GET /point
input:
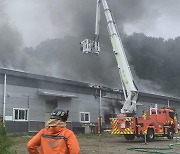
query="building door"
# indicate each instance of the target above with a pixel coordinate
(50, 106)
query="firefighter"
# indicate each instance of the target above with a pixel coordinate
(55, 138)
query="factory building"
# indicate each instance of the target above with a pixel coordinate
(26, 101)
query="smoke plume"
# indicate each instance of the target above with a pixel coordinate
(72, 22)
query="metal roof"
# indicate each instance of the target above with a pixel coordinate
(19, 73)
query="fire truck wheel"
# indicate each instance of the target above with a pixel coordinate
(150, 134)
(170, 134)
(129, 137)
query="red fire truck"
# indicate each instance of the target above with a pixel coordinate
(154, 122)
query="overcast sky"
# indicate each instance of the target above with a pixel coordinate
(38, 20)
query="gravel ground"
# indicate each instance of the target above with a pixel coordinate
(105, 144)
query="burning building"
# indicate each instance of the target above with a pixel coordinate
(26, 101)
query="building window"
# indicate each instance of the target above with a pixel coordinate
(85, 117)
(20, 114)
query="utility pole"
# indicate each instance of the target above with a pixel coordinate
(4, 100)
(168, 103)
(100, 112)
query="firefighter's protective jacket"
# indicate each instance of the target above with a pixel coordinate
(54, 140)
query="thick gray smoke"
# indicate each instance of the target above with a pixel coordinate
(73, 21)
(10, 41)
(79, 15)
(11, 47)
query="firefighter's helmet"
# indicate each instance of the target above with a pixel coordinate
(59, 114)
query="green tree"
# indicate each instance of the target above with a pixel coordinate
(5, 141)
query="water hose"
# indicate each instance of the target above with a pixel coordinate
(156, 150)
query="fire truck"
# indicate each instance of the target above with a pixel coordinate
(154, 121)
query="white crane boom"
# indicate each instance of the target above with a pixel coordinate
(129, 88)
(97, 21)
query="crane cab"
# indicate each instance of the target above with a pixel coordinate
(89, 46)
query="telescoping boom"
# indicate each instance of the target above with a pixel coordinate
(89, 46)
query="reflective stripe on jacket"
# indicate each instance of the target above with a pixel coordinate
(54, 140)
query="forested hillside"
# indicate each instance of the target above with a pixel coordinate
(156, 59)
(155, 62)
